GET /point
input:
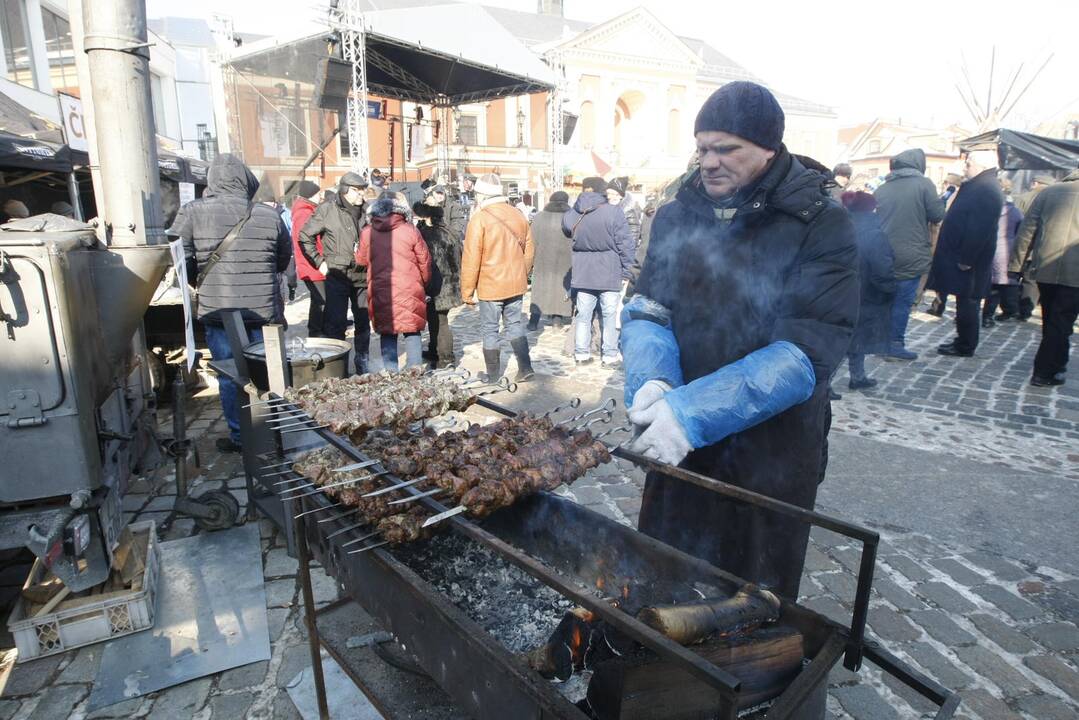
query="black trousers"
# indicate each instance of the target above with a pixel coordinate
(342, 293)
(1060, 307)
(1028, 298)
(316, 309)
(441, 340)
(967, 322)
(1004, 296)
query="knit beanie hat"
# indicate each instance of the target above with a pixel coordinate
(594, 184)
(307, 189)
(489, 184)
(745, 109)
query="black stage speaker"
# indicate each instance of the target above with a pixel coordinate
(333, 81)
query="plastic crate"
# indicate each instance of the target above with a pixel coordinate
(91, 623)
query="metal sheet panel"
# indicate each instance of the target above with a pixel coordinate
(29, 359)
(211, 617)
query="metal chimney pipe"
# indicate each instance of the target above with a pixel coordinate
(119, 60)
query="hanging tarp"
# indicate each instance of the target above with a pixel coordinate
(1025, 151)
(27, 154)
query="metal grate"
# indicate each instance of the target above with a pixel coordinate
(48, 636)
(119, 619)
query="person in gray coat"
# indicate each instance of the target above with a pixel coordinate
(1052, 228)
(243, 277)
(550, 275)
(908, 204)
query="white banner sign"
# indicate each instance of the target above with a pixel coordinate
(187, 192)
(74, 129)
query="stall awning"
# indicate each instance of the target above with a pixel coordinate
(28, 154)
(448, 54)
(1024, 151)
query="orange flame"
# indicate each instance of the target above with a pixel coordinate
(599, 583)
(625, 592)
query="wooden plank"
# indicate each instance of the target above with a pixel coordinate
(48, 607)
(273, 338)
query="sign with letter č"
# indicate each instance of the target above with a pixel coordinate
(74, 129)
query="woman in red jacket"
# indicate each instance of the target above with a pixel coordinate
(308, 196)
(398, 270)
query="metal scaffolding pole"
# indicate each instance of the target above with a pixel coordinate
(554, 118)
(349, 22)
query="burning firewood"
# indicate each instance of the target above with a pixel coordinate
(691, 623)
(566, 650)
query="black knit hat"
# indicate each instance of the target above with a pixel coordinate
(745, 109)
(307, 189)
(595, 183)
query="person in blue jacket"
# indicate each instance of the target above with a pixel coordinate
(745, 306)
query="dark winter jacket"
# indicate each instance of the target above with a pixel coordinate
(877, 279)
(602, 247)
(398, 269)
(968, 237)
(554, 257)
(778, 264)
(245, 278)
(444, 246)
(302, 210)
(339, 224)
(907, 203)
(1052, 226)
(1010, 220)
(633, 215)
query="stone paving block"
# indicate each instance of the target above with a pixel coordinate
(944, 597)
(911, 569)
(1002, 634)
(941, 627)
(125, 709)
(587, 495)
(275, 621)
(829, 608)
(1058, 636)
(282, 707)
(323, 587)
(1056, 671)
(840, 584)
(279, 564)
(890, 625)
(244, 676)
(83, 668)
(896, 595)
(849, 558)
(937, 666)
(280, 593)
(958, 571)
(1010, 603)
(1045, 707)
(864, 703)
(912, 703)
(29, 677)
(8, 708)
(295, 659)
(181, 702)
(987, 707)
(160, 503)
(58, 701)
(816, 561)
(994, 668)
(229, 707)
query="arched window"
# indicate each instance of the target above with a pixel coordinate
(588, 124)
(674, 132)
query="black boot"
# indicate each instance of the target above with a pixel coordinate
(524, 362)
(493, 359)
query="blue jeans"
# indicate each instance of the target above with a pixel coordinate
(413, 350)
(582, 325)
(905, 291)
(510, 312)
(218, 342)
(856, 363)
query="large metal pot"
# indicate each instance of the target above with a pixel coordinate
(314, 359)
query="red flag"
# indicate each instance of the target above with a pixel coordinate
(602, 168)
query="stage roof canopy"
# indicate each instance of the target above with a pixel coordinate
(1024, 151)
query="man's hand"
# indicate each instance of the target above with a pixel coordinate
(665, 439)
(471, 302)
(323, 269)
(649, 394)
(291, 294)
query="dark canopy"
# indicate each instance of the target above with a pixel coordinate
(1024, 151)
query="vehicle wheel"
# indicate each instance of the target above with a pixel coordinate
(224, 506)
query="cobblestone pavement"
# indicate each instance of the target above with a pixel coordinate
(1000, 631)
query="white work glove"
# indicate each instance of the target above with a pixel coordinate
(648, 395)
(664, 440)
(323, 268)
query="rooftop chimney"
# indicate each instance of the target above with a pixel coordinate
(550, 7)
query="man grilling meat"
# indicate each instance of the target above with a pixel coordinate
(745, 306)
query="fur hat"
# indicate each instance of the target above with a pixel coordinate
(307, 189)
(859, 201)
(842, 170)
(745, 109)
(594, 184)
(489, 185)
(389, 203)
(620, 185)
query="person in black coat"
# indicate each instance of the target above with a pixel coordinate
(442, 226)
(963, 261)
(876, 273)
(746, 304)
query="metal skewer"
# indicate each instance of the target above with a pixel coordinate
(288, 480)
(443, 515)
(621, 428)
(602, 419)
(412, 498)
(572, 404)
(318, 509)
(608, 405)
(350, 481)
(302, 429)
(360, 539)
(383, 491)
(344, 530)
(286, 471)
(356, 466)
(287, 463)
(369, 547)
(267, 401)
(291, 422)
(342, 516)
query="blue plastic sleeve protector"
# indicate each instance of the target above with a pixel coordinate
(740, 395)
(649, 350)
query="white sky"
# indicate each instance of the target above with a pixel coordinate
(890, 58)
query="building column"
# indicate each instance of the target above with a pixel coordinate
(38, 55)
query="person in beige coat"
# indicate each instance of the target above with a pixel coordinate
(495, 264)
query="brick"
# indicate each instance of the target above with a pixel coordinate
(938, 667)
(994, 668)
(1010, 603)
(1044, 707)
(840, 584)
(829, 608)
(1002, 634)
(958, 571)
(998, 566)
(944, 597)
(816, 561)
(941, 627)
(231, 706)
(1058, 636)
(243, 677)
(58, 701)
(896, 595)
(918, 705)
(986, 706)
(908, 567)
(864, 703)
(890, 625)
(1054, 670)
(849, 558)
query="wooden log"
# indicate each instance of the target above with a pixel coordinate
(41, 585)
(644, 687)
(691, 623)
(52, 603)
